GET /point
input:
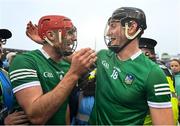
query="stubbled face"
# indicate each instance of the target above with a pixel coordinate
(65, 43)
(69, 39)
(175, 66)
(115, 33)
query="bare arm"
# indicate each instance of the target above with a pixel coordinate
(41, 107)
(162, 116)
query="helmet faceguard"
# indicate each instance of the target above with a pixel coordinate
(125, 16)
(68, 47)
(63, 28)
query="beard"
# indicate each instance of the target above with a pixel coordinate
(63, 51)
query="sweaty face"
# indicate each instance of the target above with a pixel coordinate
(114, 33)
(66, 43)
(175, 66)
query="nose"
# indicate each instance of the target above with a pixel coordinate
(74, 37)
(108, 33)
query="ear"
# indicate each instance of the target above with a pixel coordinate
(50, 35)
(133, 26)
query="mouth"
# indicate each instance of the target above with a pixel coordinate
(68, 46)
(112, 40)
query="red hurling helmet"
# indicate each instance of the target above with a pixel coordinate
(54, 22)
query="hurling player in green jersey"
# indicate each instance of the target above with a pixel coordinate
(41, 83)
(128, 83)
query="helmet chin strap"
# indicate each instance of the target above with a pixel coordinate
(117, 48)
(133, 36)
(59, 36)
(48, 41)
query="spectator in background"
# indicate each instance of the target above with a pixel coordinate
(8, 60)
(85, 98)
(10, 56)
(7, 116)
(165, 58)
(175, 68)
(147, 45)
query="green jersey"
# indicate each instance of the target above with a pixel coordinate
(126, 89)
(36, 68)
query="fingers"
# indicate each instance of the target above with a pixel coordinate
(85, 53)
(30, 28)
(86, 56)
(32, 33)
(29, 25)
(18, 113)
(16, 118)
(21, 121)
(20, 117)
(35, 26)
(83, 59)
(90, 59)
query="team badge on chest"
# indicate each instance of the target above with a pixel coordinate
(129, 79)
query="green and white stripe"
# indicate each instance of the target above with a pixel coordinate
(22, 73)
(159, 105)
(161, 89)
(26, 85)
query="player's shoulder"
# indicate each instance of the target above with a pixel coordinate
(105, 52)
(26, 55)
(146, 61)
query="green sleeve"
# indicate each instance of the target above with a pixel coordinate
(23, 70)
(158, 90)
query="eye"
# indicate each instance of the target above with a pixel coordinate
(72, 31)
(112, 25)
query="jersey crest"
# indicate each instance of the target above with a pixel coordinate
(129, 79)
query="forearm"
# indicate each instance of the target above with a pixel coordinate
(41, 107)
(44, 107)
(162, 116)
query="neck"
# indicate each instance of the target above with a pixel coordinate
(131, 49)
(51, 52)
